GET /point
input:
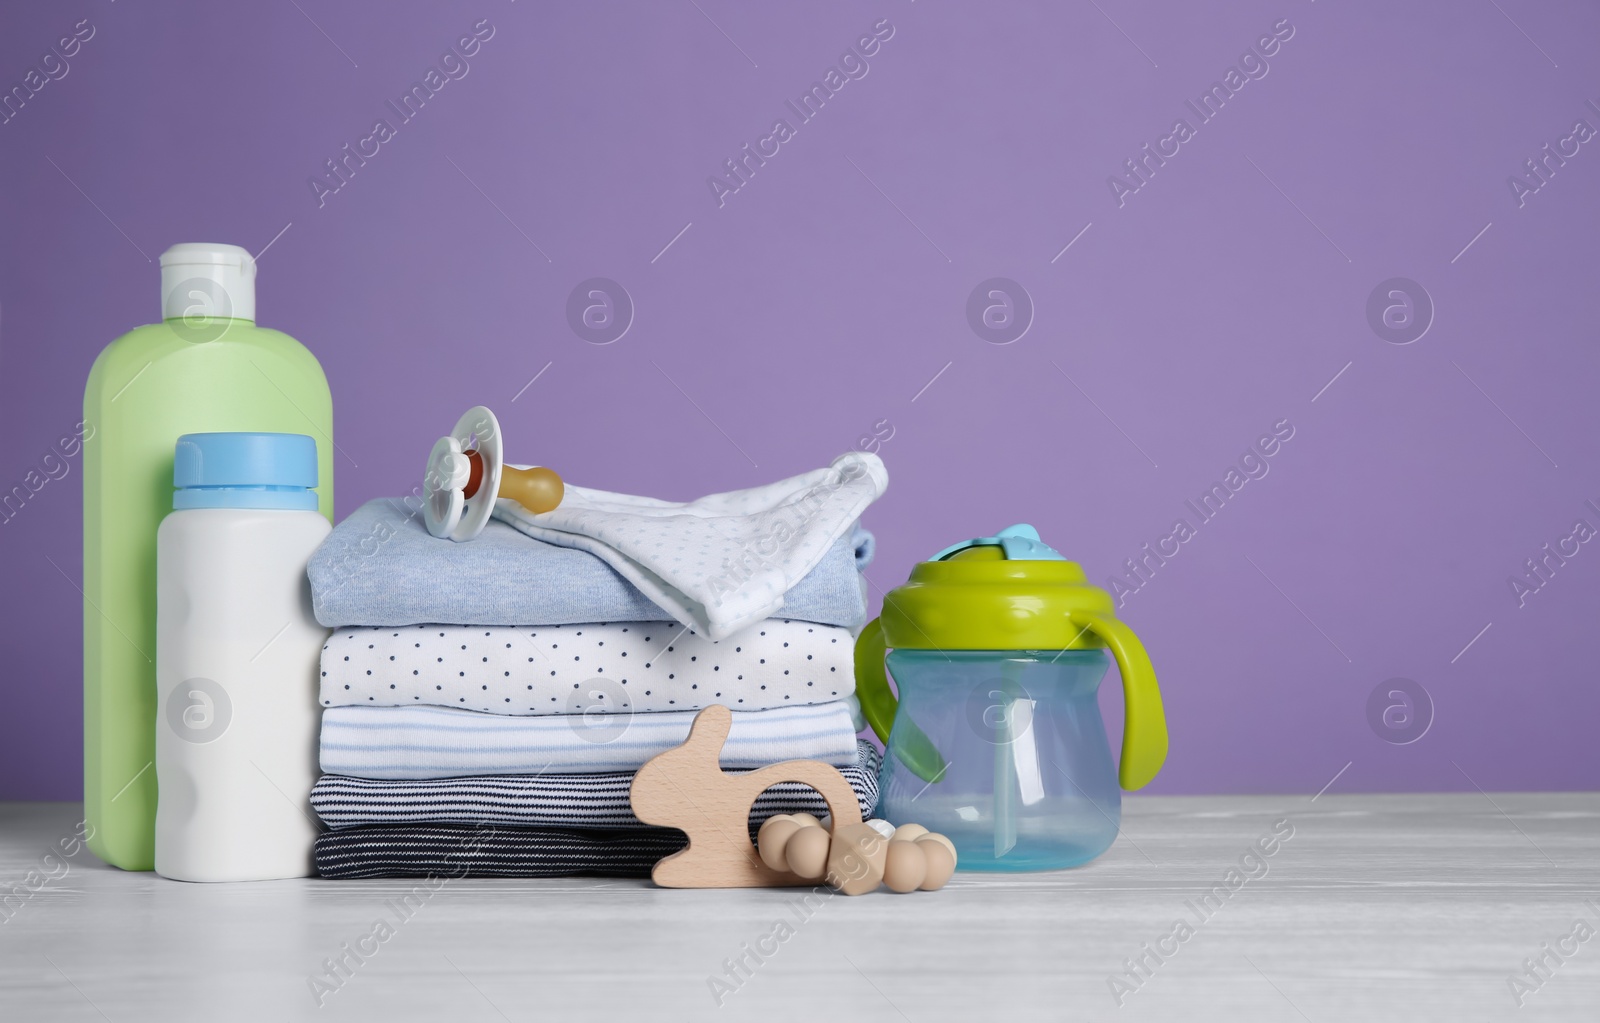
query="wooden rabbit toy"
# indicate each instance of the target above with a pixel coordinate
(686, 788)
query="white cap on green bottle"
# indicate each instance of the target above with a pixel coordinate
(206, 280)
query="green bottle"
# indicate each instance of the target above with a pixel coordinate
(206, 368)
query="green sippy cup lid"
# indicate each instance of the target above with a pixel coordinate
(1010, 591)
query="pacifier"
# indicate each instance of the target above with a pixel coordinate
(467, 472)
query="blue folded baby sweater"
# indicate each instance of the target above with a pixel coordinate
(380, 567)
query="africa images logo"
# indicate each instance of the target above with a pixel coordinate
(198, 710)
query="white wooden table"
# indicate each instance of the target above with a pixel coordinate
(1405, 907)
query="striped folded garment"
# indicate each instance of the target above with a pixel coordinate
(590, 801)
(443, 742)
(490, 850)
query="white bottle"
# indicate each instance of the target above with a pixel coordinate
(237, 654)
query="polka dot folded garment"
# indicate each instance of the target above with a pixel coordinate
(617, 668)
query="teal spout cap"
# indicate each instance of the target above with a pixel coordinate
(1018, 543)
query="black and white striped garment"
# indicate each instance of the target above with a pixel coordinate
(490, 850)
(551, 800)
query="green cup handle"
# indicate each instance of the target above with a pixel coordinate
(878, 706)
(872, 682)
(1144, 723)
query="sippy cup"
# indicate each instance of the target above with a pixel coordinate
(998, 647)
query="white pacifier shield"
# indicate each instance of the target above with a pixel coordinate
(447, 474)
(479, 430)
(448, 511)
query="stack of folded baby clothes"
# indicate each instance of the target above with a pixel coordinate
(487, 703)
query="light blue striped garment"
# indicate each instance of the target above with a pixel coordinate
(445, 742)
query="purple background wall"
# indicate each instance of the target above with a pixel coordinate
(829, 294)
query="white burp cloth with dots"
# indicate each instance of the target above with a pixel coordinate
(616, 668)
(723, 562)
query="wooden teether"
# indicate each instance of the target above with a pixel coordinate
(854, 857)
(686, 788)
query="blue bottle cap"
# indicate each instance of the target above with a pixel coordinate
(245, 470)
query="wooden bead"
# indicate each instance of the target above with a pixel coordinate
(773, 837)
(934, 836)
(806, 853)
(805, 819)
(855, 863)
(905, 867)
(909, 832)
(941, 860)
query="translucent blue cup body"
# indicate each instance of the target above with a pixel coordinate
(1024, 777)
